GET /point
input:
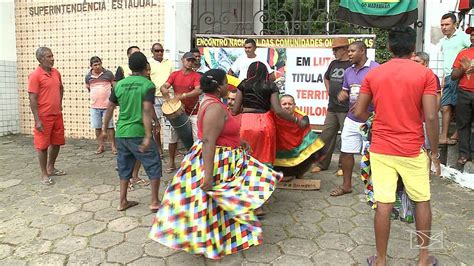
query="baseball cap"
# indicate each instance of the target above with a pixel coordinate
(188, 55)
(469, 30)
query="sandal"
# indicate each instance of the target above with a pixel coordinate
(371, 260)
(130, 187)
(339, 191)
(462, 161)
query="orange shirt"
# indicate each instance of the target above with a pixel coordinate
(397, 88)
(47, 86)
(466, 82)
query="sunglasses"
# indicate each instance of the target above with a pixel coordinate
(159, 50)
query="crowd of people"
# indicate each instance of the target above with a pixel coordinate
(244, 145)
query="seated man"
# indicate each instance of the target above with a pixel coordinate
(297, 148)
(231, 99)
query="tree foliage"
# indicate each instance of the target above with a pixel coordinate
(310, 17)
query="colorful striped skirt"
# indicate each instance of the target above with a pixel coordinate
(220, 221)
(297, 161)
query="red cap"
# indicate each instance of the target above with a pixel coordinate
(469, 30)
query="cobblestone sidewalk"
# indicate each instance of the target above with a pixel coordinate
(75, 221)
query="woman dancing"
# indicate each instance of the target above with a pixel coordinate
(208, 208)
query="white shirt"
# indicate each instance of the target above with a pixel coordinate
(241, 65)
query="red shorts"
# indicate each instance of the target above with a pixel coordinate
(52, 134)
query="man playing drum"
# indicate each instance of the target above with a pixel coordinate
(186, 89)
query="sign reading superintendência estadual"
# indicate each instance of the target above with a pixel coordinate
(59, 9)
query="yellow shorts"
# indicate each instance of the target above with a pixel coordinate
(413, 170)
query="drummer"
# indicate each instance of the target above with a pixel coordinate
(185, 83)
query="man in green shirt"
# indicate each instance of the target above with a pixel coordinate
(135, 95)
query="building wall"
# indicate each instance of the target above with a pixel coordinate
(8, 79)
(74, 38)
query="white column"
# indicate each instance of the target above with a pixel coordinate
(7, 29)
(177, 37)
(257, 24)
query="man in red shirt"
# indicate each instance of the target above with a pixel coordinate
(45, 91)
(186, 88)
(463, 68)
(400, 99)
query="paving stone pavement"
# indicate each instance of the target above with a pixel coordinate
(75, 221)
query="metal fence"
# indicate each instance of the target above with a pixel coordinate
(269, 17)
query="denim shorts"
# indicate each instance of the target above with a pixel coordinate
(97, 116)
(450, 91)
(157, 105)
(128, 154)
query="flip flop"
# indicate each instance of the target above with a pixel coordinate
(462, 161)
(371, 260)
(47, 182)
(316, 169)
(338, 191)
(142, 182)
(97, 152)
(154, 209)
(170, 170)
(57, 172)
(114, 152)
(129, 205)
(433, 260)
(451, 141)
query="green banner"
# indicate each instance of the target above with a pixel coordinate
(378, 13)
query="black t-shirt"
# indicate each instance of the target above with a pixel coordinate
(257, 96)
(335, 75)
(119, 75)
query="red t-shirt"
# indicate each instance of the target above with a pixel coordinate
(467, 80)
(397, 88)
(48, 87)
(185, 84)
(230, 134)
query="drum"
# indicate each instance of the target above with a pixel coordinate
(173, 110)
